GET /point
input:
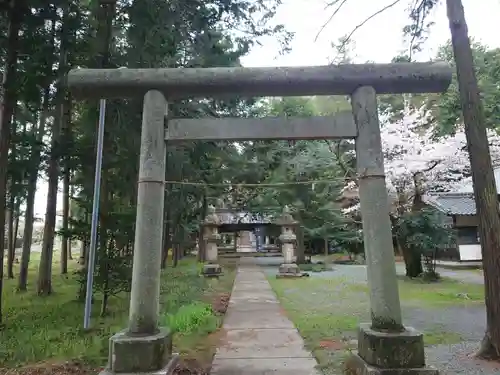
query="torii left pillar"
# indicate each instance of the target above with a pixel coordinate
(145, 348)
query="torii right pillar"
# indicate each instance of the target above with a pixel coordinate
(385, 346)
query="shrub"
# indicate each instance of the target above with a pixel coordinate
(195, 317)
(424, 233)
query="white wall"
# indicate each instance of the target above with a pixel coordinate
(470, 252)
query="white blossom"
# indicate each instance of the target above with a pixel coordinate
(411, 150)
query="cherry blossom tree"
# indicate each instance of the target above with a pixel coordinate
(419, 162)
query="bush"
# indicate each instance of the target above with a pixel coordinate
(195, 317)
(423, 233)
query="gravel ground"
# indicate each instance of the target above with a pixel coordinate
(457, 359)
(467, 276)
(468, 321)
(359, 272)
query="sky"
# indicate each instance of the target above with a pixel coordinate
(379, 40)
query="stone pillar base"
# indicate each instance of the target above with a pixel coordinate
(212, 270)
(388, 353)
(355, 365)
(141, 355)
(290, 270)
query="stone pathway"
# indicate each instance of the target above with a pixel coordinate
(259, 338)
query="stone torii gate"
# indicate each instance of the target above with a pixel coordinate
(384, 345)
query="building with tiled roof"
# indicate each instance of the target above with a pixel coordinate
(460, 209)
(453, 204)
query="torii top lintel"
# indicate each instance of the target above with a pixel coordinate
(431, 77)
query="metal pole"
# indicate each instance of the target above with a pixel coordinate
(95, 215)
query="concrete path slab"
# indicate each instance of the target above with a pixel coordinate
(267, 318)
(264, 366)
(258, 286)
(262, 343)
(255, 306)
(253, 296)
(259, 338)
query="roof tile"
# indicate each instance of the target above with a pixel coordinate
(452, 203)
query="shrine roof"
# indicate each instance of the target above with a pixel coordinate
(229, 216)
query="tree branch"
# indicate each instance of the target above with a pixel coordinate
(338, 156)
(360, 25)
(331, 16)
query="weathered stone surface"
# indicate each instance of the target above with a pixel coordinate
(140, 354)
(212, 270)
(256, 304)
(267, 318)
(262, 343)
(377, 231)
(245, 284)
(252, 296)
(249, 276)
(259, 339)
(339, 126)
(355, 365)
(167, 370)
(145, 286)
(391, 350)
(290, 270)
(244, 239)
(264, 366)
(251, 82)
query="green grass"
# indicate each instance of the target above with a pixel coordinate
(436, 336)
(314, 267)
(50, 328)
(327, 311)
(442, 293)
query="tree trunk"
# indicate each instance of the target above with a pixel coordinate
(8, 96)
(413, 262)
(65, 223)
(104, 274)
(175, 256)
(70, 254)
(84, 244)
(10, 235)
(84, 251)
(81, 258)
(485, 191)
(166, 214)
(16, 229)
(201, 243)
(44, 284)
(201, 240)
(325, 244)
(65, 247)
(105, 18)
(31, 190)
(300, 251)
(167, 242)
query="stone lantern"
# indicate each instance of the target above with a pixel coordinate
(211, 268)
(288, 242)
